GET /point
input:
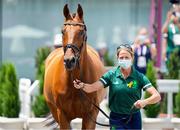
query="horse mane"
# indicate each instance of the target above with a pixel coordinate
(58, 77)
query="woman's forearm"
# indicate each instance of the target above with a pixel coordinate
(89, 88)
(165, 27)
(153, 99)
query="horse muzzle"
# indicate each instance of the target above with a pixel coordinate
(70, 63)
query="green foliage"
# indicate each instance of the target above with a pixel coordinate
(164, 103)
(9, 98)
(177, 103)
(154, 109)
(174, 73)
(41, 55)
(1, 88)
(41, 77)
(39, 106)
(151, 73)
(108, 61)
(174, 65)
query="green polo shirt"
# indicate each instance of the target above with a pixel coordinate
(123, 93)
(170, 44)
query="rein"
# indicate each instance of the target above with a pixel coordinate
(83, 94)
(75, 49)
(107, 125)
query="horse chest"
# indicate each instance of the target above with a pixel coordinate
(74, 102)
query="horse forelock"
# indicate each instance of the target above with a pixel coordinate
(73, 15)
(58, 81)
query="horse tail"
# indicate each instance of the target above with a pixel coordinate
(50, 122)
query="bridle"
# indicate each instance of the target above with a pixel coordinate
(77, 51)
(74, 47)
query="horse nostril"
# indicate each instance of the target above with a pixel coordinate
(73, 60)
(66, 61)
(70, 63)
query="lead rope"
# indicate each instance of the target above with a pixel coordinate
(89, 100)
(82, 94)
(81, 97)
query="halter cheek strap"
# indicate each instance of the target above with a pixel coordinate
(74, 47)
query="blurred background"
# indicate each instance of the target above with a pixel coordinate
(31, 29)
(30, 24)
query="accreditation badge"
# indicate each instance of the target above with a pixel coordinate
(141, 61)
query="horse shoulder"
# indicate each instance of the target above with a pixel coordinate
(54, 68)
(54, 53)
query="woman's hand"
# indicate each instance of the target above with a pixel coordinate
(78, 84)
(168, 16)
(140, 104)
(88, 87)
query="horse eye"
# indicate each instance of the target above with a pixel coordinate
(81, 33)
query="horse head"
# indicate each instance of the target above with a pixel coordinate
(74, 37)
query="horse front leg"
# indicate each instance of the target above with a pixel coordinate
(87, 122)
(63, 122)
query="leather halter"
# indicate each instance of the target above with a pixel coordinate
(74, 47)
(83, 94)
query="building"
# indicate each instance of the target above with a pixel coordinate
(113, 21)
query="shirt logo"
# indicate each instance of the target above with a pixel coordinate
(132, 84)
(116, 82)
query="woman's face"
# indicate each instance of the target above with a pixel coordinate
(124, 54)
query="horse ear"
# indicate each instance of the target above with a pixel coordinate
(80, 11)
(66, 12)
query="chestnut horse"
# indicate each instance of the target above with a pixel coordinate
(75, 60)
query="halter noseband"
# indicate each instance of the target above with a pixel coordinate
(74, 47)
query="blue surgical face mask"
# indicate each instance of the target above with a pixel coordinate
(142, 38)
(125, 63)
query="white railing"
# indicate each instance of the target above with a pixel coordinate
(38, 124)
(169, 87)
(25, 92)
(27, 123)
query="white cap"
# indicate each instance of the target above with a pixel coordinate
(58, 40)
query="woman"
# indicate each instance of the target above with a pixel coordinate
(144, 50)
(125, 85)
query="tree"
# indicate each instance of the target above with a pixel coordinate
(9, 98)
(108, 61)
(174, 73)
(39, 106)
(154, 109)
(174, 65)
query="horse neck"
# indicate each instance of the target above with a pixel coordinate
(83, 61)
(79, 71)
